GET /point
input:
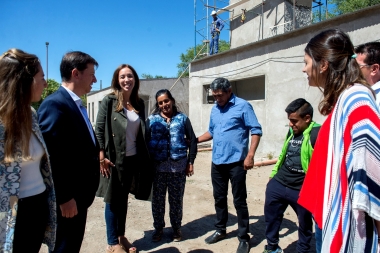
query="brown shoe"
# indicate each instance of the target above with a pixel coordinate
(115, 249)
(157, 235)
(177, 235)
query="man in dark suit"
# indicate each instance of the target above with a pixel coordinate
(73, 149)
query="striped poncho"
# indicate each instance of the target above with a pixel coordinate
(342, 186)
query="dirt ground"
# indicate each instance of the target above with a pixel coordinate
(198, 219)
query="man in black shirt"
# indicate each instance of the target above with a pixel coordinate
(287, 177)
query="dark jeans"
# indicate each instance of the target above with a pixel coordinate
(220, 175)
(31, 221)
(115, 213)
(318, 239)
(70, 231)
(277, 198)
(174, 183)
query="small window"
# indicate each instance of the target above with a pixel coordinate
(248, 89)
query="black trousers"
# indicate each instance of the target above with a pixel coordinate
(70, 231)
(221, 175)
(277, 198)
(31, 221)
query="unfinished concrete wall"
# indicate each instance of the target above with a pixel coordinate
(280, 59)
(148, 90)
(266, 19)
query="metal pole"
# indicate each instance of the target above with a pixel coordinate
(195, 26)
(294, 15)
(47, 60)
(327, 10)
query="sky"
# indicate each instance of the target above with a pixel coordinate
(150, 35)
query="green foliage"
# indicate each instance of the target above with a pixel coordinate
(51, 88)
(341, 7)
(149, 76)
(346, 6)
(188, 56)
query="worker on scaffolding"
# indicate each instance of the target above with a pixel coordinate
(216, 27)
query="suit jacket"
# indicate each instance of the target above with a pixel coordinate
(110, 131)
(10, 176)
(73, 155)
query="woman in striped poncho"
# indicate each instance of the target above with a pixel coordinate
(341, 188)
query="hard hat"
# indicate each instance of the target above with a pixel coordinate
(213, 13)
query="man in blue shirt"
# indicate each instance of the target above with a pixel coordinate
(216, 27)
(231, 120)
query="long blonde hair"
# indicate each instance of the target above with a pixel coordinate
(17, 69)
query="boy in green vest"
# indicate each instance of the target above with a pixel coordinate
(287, 177)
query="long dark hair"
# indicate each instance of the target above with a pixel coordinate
(334, 47)
(169, 94)
(17, 70)
(116, 88)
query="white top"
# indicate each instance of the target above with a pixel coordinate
(131, 132)
(376, 88)
(31, 181)
(78, 102)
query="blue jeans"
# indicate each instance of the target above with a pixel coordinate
(115, 215)
(277, 198)
(318, 238)
(214, 44)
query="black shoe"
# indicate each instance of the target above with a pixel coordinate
(243, 247)
(177, 235)
(157, 235)
(215, 237)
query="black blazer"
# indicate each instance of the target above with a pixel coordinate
(73, 155)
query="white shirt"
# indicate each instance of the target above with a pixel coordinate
(376, 88)
(78, 102)
(31, 181)
(131, 132)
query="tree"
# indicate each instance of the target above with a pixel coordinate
(149, 76)
(52, 86)
(346, 6)
(187, 57)
(341, 7)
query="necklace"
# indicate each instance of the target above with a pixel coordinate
(131, 106)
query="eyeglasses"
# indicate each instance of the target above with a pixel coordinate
(365, 65)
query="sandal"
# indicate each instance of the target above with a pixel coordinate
(126, 245)
(115, 249)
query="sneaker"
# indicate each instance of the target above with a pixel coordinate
(177, 235)
(266, 250)
(157, 235)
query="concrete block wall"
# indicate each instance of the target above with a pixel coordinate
(280, 59)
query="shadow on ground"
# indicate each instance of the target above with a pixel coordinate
(192, 230)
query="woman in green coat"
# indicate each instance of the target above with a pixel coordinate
(124, 158)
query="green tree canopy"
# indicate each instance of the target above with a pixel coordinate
(188, 56)
(340, 7)
(52, 86)
(346, 6)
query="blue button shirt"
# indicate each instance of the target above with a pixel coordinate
(230, 126)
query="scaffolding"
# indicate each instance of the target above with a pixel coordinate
(202, 12)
